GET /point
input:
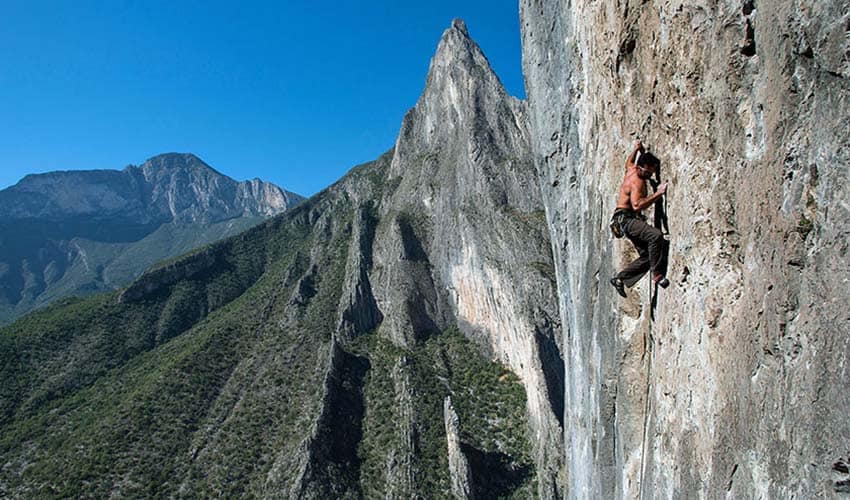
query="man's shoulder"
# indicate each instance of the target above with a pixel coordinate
(634, 180)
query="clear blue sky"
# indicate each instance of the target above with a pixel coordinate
(293, 92)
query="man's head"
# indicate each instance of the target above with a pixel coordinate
(647, 164)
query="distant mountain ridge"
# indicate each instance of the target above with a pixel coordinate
(172, 187)
(77, 232)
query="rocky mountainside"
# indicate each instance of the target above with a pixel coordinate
(396, 335)
(78, 232)
(737, 390)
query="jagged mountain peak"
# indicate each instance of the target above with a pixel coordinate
(464, 105)
(93, 230)
(175, 159)
(166, 187)
(457, 50)
(456, 36)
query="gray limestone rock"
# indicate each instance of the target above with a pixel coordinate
(735, 390)
(399, 473)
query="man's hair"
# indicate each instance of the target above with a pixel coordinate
(648, 160)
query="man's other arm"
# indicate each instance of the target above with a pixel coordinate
(640, 202)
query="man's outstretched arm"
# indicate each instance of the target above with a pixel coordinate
(630, 161)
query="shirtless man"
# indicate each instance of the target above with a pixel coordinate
(650, 243)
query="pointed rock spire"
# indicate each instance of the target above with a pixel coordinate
(464, 103)
(457, 48)
(458, 466)
(460, 80)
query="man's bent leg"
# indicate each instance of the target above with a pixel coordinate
(658, 248)
(655, 243)
(639, 233)
(633, 272)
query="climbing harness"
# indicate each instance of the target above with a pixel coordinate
(621, 215)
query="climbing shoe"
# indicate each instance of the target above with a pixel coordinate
(618, 284)
(661, 281)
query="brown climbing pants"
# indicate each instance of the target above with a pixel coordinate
(651, 246)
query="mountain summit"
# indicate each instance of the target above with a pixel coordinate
(461, 88)
(172, 187)
(186, 189)
(457, 48)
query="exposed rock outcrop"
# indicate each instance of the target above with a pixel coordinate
(399, 465)
(458, 466)
(329, 462)
(735, 390)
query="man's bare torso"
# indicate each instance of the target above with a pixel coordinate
(631, 182)
(632, 195)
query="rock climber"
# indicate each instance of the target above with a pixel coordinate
(650, 243)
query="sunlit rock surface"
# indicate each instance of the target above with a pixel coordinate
(470, 232)
(737, 389)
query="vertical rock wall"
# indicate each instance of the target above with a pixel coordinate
(737, 388)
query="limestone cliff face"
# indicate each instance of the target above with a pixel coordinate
(736, 389)
(458, 465)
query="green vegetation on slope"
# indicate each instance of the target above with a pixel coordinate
(109, 394)
(56, 351)
(100, 265)
(203, 377)
(488, 398)
(217, 374)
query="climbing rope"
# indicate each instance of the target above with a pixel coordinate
(660, 216)
(649, 348)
